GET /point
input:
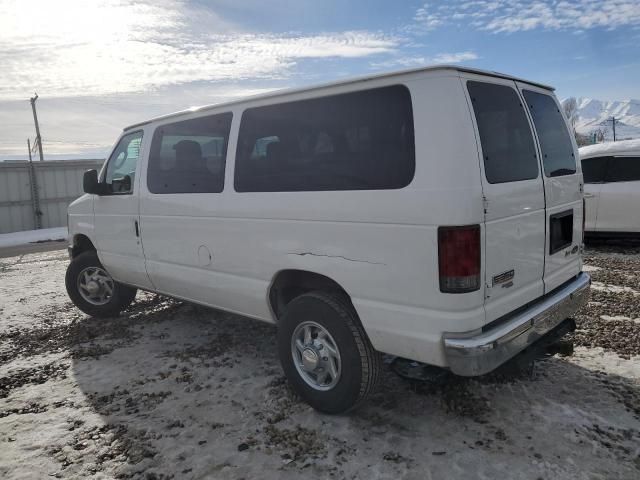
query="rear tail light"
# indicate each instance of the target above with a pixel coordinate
(459, 258)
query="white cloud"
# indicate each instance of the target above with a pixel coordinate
(417, 61)
(71, 47)
(426, 19)
(521, 15)
(455, 57)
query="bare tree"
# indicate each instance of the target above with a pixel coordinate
(570, 106)
(583, 140)
(600, 134)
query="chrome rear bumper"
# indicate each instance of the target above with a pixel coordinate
(476, 354)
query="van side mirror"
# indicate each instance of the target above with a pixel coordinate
(90, 182)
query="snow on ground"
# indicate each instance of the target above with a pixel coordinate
(619, 317)
(171, 390)
(603, 287)
(31, 236)
(589, 268)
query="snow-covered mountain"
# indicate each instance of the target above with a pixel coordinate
(594, 114)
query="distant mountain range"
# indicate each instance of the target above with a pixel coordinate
(596, 114)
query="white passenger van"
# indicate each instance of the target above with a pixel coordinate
(612, 188)
(433, 214)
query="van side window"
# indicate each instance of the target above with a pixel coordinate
(507, 143)
(555, 143)
(594, 169)
(121, 169)
(623, 169)
(354, 141)
(189, 156)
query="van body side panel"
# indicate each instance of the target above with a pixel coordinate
(119, 248)
(619, 194)
(81, 219)
(618, 207)
(380, 246)
(591, 198)
(514, 222)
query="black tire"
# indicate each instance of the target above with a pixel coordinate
(121, 298)
(360, 363)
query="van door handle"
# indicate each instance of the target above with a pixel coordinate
(589, 195)
(137, 229)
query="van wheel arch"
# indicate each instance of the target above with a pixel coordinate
(291, 283)
(81, 244)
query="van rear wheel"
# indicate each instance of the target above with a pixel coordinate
(92, 289)
(325, 353)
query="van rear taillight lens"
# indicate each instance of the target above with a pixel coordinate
(459, 258)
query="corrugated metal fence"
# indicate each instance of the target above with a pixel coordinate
(58, 183)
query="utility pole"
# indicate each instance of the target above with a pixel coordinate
(35, 119)
(35, 198)
(613, 121)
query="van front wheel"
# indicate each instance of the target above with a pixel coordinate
(92, 289)
(325, 353)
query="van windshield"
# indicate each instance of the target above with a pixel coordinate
(555, 143)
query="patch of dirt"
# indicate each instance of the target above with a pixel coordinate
(298, 443)
(66, 328)
(32, 407)
(36, 375)
(620, 336)
(107, 443)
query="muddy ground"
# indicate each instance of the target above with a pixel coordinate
(170, 390)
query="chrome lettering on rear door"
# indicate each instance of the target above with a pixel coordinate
(505, 279)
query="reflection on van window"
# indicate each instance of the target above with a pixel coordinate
(189, 156)
(555, 143)
(121, 169)
(507, 144)
(594, 169)
(354, 141)
(260, 147)
(623, 169)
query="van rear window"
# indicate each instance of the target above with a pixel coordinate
(555, 143)
(355, 141)
(507, 143)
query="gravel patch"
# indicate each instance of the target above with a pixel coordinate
(617, 281)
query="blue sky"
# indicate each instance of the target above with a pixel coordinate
(100, 65)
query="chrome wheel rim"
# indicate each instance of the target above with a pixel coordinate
(95, 285)
(316, 356)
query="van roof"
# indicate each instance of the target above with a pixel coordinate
(623, 147)
(289, 91)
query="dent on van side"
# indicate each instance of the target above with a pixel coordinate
(434, 214)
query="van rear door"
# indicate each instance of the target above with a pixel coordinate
(513, 193)
(562, 185)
